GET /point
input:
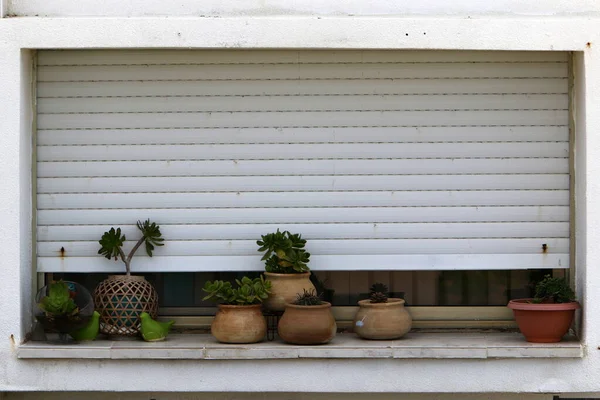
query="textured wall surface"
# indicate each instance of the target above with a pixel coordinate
(533, 376)
(301, 7)
(265, 396)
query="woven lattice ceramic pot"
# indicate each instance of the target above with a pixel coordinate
(120, 300)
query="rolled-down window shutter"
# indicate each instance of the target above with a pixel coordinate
(383, 160)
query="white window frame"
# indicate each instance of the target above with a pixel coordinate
(435, 317)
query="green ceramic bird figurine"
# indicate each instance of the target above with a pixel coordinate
(88, 332)
(154, 331)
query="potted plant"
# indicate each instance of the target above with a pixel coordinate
(63, 307)
(367, 295)
(239, 318)
(120, 299)
(285, 266)
(308, 320)
(380, 317)
(546, 318)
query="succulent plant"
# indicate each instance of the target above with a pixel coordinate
(59, 301)
(378, 293)
(553, 290)
(308, 298)
(112, 242)
(248, 291)
(284, 252)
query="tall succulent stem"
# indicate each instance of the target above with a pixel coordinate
(127, 268)
(130, 256)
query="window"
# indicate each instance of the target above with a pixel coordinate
(437, 169)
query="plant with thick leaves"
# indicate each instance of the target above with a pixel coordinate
(59, 301)
(284, 252)
(378, 293)
(553, 290)
(308, 298)
(248, 291)
(111, 243)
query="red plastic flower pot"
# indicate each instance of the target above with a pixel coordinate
(543, 322)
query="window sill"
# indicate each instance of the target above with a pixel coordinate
(456, 344)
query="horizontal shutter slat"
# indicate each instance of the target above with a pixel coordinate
(305, 103)
(145, 57)
(301, 119)
(329, 247)
(304, 167)
(146, 201)
(303, 151)
(352, 262)
(322, 231)
(297, 72)
(306, 87)
(300, 215)
(302, 135)
(302, 183)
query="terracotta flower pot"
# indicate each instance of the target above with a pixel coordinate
(239, 324)
(285, 288)
(307, 324)
(543, 322)
(382, 320)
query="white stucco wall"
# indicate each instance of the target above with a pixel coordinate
(533, 376)
(267, 396)
(299, 7)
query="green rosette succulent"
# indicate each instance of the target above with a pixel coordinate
(248, 291)
(59, 301)
(284, 252)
